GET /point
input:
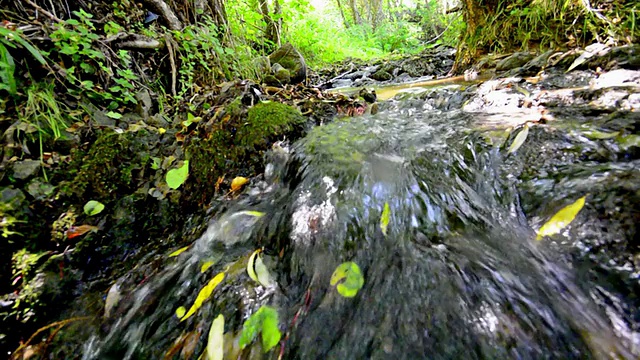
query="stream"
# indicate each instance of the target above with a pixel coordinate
(458, 272)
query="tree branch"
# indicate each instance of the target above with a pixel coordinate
(165, 12)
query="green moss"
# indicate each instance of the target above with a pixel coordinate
(237, 148)
(110, 168)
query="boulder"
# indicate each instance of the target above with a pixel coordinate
(292, 60)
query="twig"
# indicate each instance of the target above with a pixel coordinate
(174, 70)
(57, 323)
(48, 14)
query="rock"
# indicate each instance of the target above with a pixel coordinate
(513, 61)
(12, 198)
(281, 74)
(538, 62)
(292, 60)
(25, 169)
(262, 65)
(355, 75)
(145, 104)
(271, 80)
(381, 75)
(40, 190)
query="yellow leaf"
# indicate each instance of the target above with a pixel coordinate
(250, 266)
(561, 219)
(179, 251)
(203, 295)
(180, 312)
(251, 213)
(162, 131)
(519, 140)
(206, 266)
(384, 218)
(238, 182)
(215, 345)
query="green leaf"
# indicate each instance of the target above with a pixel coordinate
(385, 218)
(519, 140)
(113, 115)
(215, 345)
(561, 219)
(203, 295)
(349, 279)
(93, 207)
(176, 177)
(264, 321)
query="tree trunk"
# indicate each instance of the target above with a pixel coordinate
(354, 12)
(344, 19)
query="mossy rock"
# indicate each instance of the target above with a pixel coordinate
(292, 60)
(237, 148)
(112, 167)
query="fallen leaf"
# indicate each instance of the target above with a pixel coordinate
(79, 230)
(519, 140)
(203, 295)
(385, 218)
(561, 219)
(178, 252)
(349, 279)
(181, 311)
(257, 270)
(238, 182)
(215, 345)
(176, 177)
(206, 266)
(264, 321)
(93, 207)
(113, 297)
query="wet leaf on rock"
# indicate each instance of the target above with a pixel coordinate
(264, 322)
(385, 218)
(519, 140)
(600, 135)
(79, 230)
(204, 295)
(179, 251)
(238, 182)
(176, 177)
(349, 279)
(257, 271)
(215, 345)
(181, 311)
(93, 207)
(561, 219)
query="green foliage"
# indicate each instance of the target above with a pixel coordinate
(74, 43)
(11, 39)
(349, 279)
(205, 60)
(263, 322)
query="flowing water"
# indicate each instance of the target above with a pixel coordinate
(458, 274)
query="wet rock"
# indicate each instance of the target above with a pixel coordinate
(513, 61)
(381, 75)
(25, 169)
(355, 75)
(292, 60)
(538, 62)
